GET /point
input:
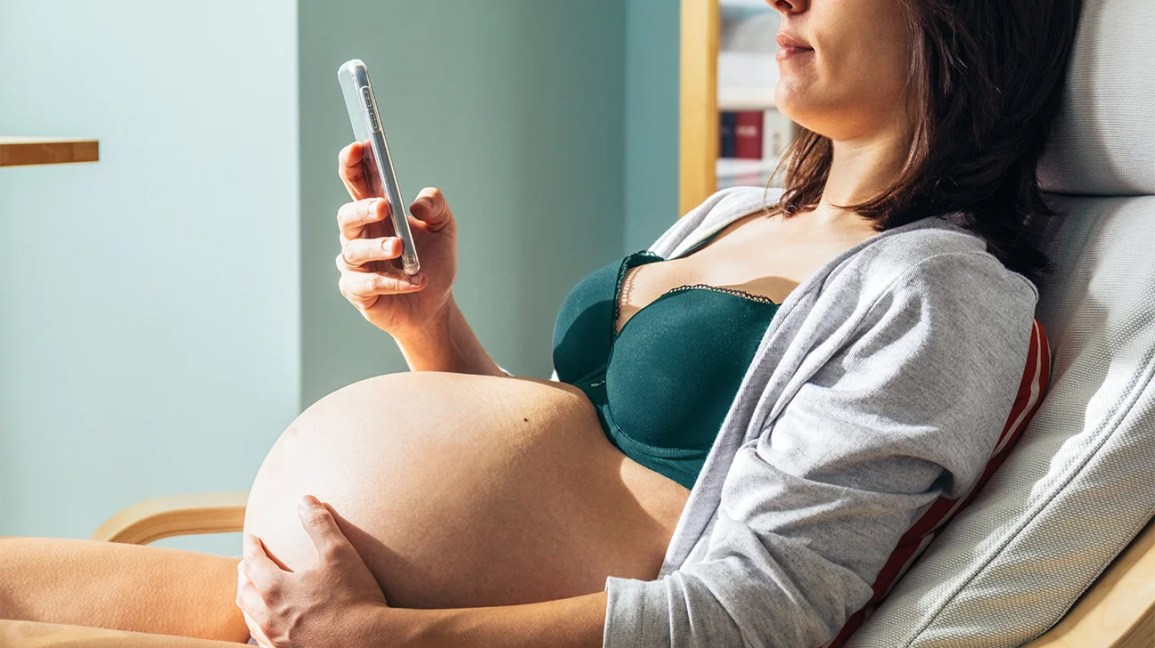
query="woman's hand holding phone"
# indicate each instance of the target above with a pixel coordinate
(381, 292)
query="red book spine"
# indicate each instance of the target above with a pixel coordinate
(748, 135)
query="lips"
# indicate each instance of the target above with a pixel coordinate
(791, 48)
(787, 41)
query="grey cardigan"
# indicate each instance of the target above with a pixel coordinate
(882, 382)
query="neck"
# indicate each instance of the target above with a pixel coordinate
(860, 169)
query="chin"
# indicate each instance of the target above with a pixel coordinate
(789, 102)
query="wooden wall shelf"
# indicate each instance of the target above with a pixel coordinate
(19, 151)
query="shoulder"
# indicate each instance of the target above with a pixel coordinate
(719, 210)
(933, 295)
(920, 329)
(929, 283)
(931, 256)
(937, 260)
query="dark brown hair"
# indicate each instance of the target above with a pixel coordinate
(987, 78)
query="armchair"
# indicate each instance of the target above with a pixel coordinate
(1058, 551)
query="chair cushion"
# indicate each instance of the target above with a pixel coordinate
(1077, 488)
(1104, 141)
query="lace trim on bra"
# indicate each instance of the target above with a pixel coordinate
(618, 297)
(622, 269)
(731, 291)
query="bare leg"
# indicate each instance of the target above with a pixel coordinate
(119, 586)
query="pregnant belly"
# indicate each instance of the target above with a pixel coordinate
(464, 491)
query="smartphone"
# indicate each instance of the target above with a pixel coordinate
(366, 121)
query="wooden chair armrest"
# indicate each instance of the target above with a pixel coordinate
(161, 517)
(1118, 610)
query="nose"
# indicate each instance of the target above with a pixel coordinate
(790, 6)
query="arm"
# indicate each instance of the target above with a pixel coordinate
(568, 623)
(449, 345)
(908, 408)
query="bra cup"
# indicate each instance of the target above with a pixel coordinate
(581, 334)
(663, 384)
(677, 364)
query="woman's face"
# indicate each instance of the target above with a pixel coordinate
(847, 79)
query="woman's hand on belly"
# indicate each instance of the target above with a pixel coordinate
(327, 603)
(337, 603)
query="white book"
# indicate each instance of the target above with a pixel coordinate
(777, 131)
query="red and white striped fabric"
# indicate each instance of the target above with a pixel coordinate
(1032, 388)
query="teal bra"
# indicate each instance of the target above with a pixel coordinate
(664, 383)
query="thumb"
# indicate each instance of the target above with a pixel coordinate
(322, 528)
(430, 207)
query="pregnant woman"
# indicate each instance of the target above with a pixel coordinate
(747, 417)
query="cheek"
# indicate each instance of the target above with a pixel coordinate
(844, 91)
(869, 76)
(826, 83)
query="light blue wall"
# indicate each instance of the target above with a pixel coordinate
(164, 313)
(149, 315)
(651, 121)
(515, 109)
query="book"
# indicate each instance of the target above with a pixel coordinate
(726, 132)
(777, 133)
(748, 134)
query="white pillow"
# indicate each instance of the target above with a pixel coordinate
(1104, 141)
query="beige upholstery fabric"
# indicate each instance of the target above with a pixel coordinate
(1104, 143)
(1079, 485)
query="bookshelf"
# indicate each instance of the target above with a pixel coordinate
(727, 66)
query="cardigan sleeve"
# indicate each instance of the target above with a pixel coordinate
(908, 408)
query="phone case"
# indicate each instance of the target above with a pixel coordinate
(361, 105)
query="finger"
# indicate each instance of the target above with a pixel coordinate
(353, 217)
(250, 603)
(257, 632)
(249, 600)
(322, 529)
(365, 287)
(358, 252)
(431, 207)
(257, 629)
(257, 566)
(352, 171)
(242, 580)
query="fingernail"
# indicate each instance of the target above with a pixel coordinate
(415, 279)
(306, 502)
(375, 208)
